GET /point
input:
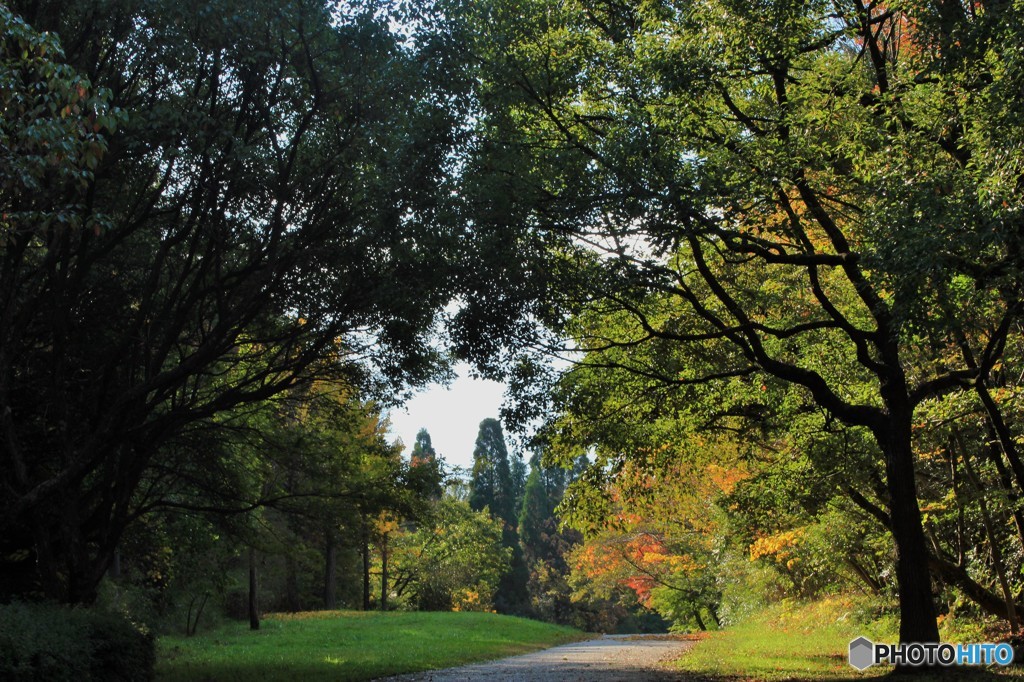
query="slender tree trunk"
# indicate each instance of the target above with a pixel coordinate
(330, 572)
(384, 572)
(366, 569)
(864, 575)
(917, 610)
(714, 615)
(1006, 442)
(291, 584)
(994, 549)
(254, 611)
(700, 621)
(994, 451)
(115, 565)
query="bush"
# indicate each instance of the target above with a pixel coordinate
(54, 644)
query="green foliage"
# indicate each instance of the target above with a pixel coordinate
(786, 222)
(58, 644)
(54, 129)
(241, 197)
(789, 640)
(453, 561)
(491, 484)
(353, 646)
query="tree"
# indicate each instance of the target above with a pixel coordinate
(491, 484)
(492, 487)
(207, 203)
(802, 192)
(427, 464)
(453, 561)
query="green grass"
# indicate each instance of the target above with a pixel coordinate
(801, 641)
(343, 645)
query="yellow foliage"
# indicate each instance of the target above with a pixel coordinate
(778, 546)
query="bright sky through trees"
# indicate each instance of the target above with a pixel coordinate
(452, 414)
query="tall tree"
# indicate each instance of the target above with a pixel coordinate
(491, 486)
(427, 465)
(269, 207)
(491, 483)
(804, 192)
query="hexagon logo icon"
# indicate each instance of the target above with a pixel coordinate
(862, 653)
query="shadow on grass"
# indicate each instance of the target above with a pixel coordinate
(264, 672)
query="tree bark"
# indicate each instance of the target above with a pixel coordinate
(958, 576)
(254, 612)
(291, 585)
(700, 621)
(993, 542)
(917, 610)
(330, 572)
(384, 572)
(366, 568)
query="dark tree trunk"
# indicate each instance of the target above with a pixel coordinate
(384, 573)
(917, 610)
(864, 575)
(993, 541)
(291, 585)
(714, 615)
(700, 621)
(994, 452)
(330, 572)
(115, 565)
(366, 571)
(254, 611)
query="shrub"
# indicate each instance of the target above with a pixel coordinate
(52, 643)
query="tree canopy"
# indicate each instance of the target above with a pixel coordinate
(725, 194)
(204, 204)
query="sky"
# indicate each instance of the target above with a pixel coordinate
(451, 414)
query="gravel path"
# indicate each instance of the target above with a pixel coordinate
(632, 658)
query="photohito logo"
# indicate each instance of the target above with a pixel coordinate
(864, 653)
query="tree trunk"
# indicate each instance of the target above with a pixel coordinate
(864, 575)
(700, 621)
(917, 610)
(330, 572)
(714, 615)
(291, 584)
(254, 612)
(994, 451)
(115, 565)
(993, 542)
(366, 570)
(946, 570)
(384, 572)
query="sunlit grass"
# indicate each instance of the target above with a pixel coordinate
(343, 645)
(800, 641)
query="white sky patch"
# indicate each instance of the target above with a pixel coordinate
(452, 414)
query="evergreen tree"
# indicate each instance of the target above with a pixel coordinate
(491, 483)
(428, 467)
(492, 486)
(519, 472)
(536, 516)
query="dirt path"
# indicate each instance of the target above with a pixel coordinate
(632, 658)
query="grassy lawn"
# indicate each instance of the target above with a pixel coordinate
(794, 641)
(347, 645)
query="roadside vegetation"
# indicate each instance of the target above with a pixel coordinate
(351, 645)
(794, 640)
